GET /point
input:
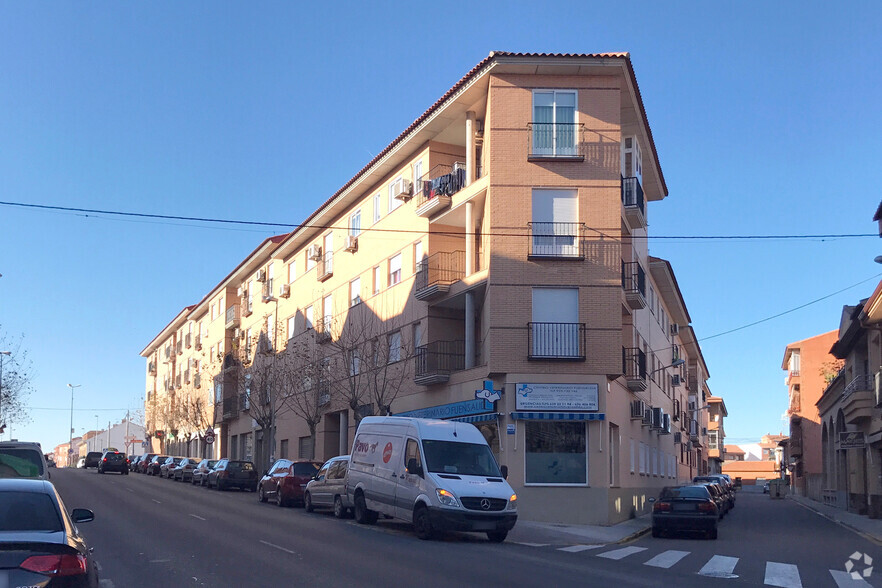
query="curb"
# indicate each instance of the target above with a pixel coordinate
(634, 535)
(842, 524)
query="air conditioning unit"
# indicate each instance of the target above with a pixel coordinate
(285, 290)
(351, 244)
(647, 416)
(638, 407)
(666, 425)
(693, 405)
(675, 380)
(401, 189)
(678, 438)
(240, 292)
(260, 276)
(238, 333)
(314, 252)
(675, 329)
(658, 418)
(458, 165)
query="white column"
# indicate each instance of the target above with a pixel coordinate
(470, 147)
(344, 432)
(469, 330)
(469, 238)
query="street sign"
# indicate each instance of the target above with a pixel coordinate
(852, 440)
(209, 437)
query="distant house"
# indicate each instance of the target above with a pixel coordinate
(751, 471)
(734, 453)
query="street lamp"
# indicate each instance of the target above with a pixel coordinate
(2, 424)
(70, 443)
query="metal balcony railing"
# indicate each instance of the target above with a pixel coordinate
(442, 180)
(556, 341)
(325, 266)
(556, 141)
(436, 361)
(323, 329)
(549, 239)
(437, 272)
(232, 317)
(634, 365)
(634, 284)
(230, 407)
(859, 384)
(632, 194)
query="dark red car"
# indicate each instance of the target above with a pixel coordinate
(286, 480)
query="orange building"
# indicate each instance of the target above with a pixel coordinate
(751, 471)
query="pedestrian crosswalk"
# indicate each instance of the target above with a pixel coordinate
(779, 574)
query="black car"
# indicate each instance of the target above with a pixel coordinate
(152, 468)
(113, 461)
(92, 459)
(230, 473)
(39, 542)
(685, 508)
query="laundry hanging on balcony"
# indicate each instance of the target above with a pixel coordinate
(446, 185)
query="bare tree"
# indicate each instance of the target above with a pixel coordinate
(15, 381)
(305, 382)
(195, 415)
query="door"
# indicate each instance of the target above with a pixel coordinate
(555, 224)
(388, 466)
(408, 484)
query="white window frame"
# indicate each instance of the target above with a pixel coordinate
(355, 292)
(395, 348)
(417, 255)
(355, 224)
(394, 269)
(378, 214)
(555, 92)
(292, 325)
(292, 271)
(378, 276)
(309, 317)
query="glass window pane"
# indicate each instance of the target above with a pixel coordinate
(556, 453)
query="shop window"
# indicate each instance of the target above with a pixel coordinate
(556, 453)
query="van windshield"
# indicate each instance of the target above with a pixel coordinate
(464, 459)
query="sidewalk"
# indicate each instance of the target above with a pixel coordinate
(870, 528)
(561, 534)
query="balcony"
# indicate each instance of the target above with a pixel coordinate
(197, 380)
(634, 203)
(178, 381)
(556, 142)
(325, 267)
(437, 360)
(634, 368)
(151, 368)
(435, 189)
(188, 338)
(556, 341)
(858, 399)
(634, 284)
(180, 347)
(198, 343)
(556, 240)
(186, 376)
(436, 273)
(323, 329)
(230, 408)
(232, 317)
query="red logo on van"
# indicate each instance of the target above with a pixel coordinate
(387, 453)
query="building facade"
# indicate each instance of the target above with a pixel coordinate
(490, 266)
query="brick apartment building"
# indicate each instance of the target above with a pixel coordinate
(496, 246)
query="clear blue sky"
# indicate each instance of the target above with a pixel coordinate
(765, 115)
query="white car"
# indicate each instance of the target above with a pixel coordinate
(81, 463)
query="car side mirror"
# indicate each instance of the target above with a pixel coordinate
(82, 515)
(504, 471)
(652, 500)
(413, 467)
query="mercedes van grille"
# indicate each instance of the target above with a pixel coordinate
(485, 504)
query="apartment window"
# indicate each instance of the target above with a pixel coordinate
(417, 175)
(395, 270)
(554, 122)
(354, 291)
(327, 312)
(354, 362)
(292, 271)
(417, 255)
(394, 346)
(310, 263)
(213, 310)
(248, 345)
(355, 224)
(220, 349)
(417, 334)
(283, 449)
(633, 455)
(234, 446)
(309, 317)
(555, 327)
(642, 458)
(271, 331)
(556, 453)
(555, 224)
(250, 295)
(268, 289)
(653, 458)
(304, 451)
(393, 202)
(377, 212)
(377, 283)
(211, 355)
(291, 325)
(220, 306)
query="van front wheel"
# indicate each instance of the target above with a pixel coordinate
(422, 525)
(363, 516)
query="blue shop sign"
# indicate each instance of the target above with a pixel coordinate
(449, 411)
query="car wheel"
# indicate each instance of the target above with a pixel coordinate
(307, 502)
(279, 500)
(261, 496)
(339, 511)
(712, 534)
(422, 525)
(497, 536)
(363, 515)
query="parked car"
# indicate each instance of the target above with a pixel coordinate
(113, 461)
(22, 459)
(438, 475)
(766, 487)
(165, 469)
(200, 472)
(142, 463)
(231, 473)
(285, 482)
(92, 459)
(155, 464)
(184, 470)
(685, 508)
(719, 496)
(328, 488)
(81, 463)
(724, 482)
(39, 540)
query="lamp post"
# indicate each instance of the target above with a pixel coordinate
(2, 424)
(70, 442)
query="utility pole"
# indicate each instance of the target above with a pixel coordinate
(127, 434)
(70, 442)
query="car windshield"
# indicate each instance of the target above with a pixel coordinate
(466, 459)
(209, 464)
(28, 511)
(305, 469)
(114, 457)
(20, 463)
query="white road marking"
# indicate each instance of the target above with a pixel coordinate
(156, 501)
(666, 559)
(782, 575)
(844, 580)
(129, 489)
(578, 548)
(531, 544)
(197, 517)
(159, 561)
(278, 547)
(719, 566)
(621, 553)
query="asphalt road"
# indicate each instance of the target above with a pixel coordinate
(150, 532)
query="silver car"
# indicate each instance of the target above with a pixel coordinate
(328, 488)
(22, 459)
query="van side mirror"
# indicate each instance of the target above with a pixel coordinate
(413, 467)
(504, 471)
(82, 515)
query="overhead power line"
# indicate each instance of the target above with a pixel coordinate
(601, 232)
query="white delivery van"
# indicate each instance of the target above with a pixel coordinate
(439, 475)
